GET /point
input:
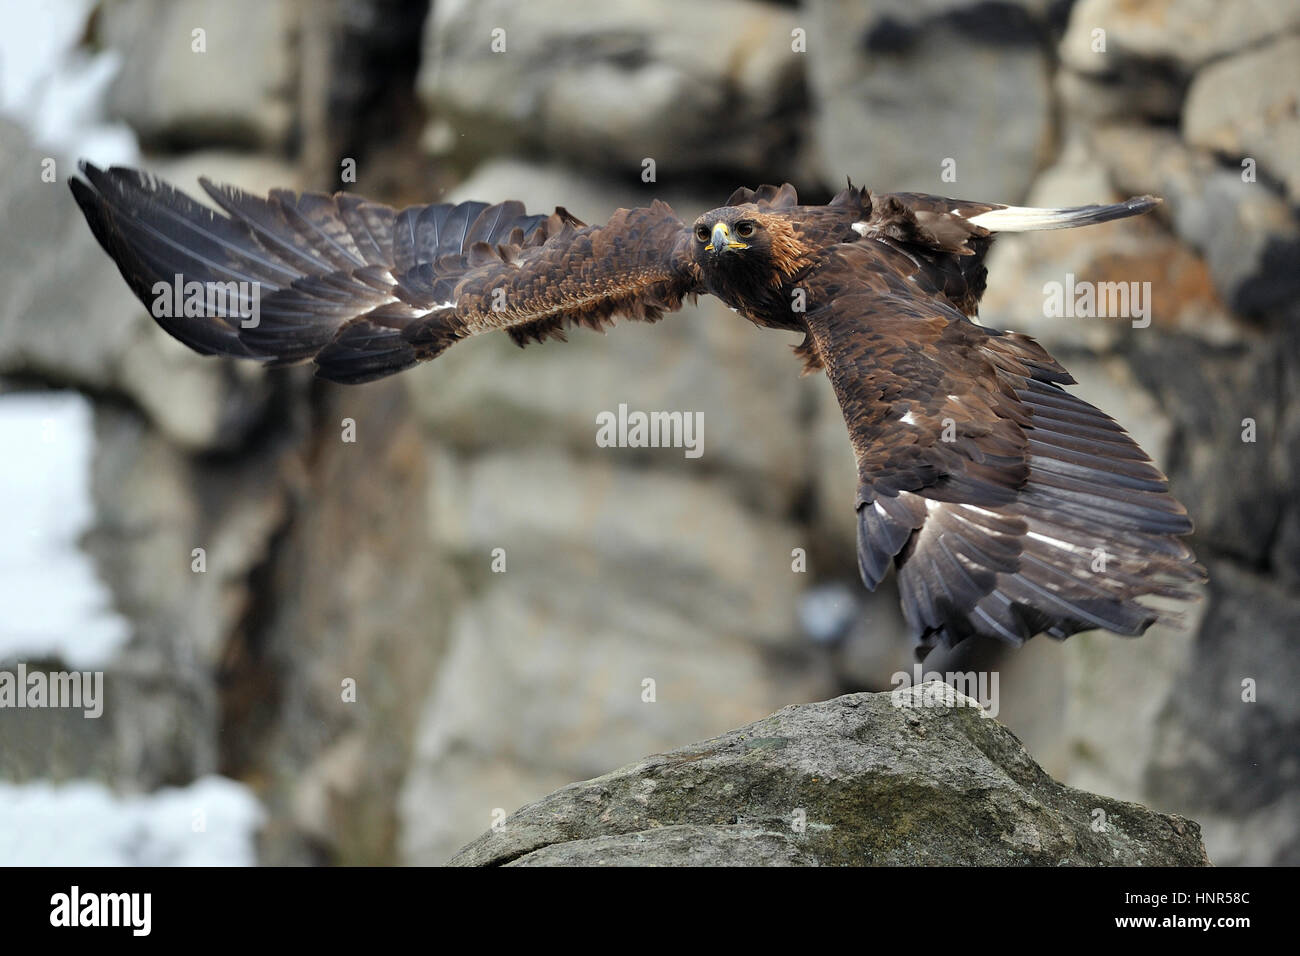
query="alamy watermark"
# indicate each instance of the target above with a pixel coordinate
(195, 300)
(635, 429)
(79, 690)
(923, 689)
(1082, 299)
(133, 911)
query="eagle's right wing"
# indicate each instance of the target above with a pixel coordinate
(364, 290)
(1009, 506)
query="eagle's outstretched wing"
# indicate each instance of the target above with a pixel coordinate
(1010, 506)
(364, 290)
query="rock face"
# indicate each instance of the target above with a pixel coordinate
(1228, 111)
(974, 78)
(726, 94)
(1184, 33)
(166, 89)
(915, 777)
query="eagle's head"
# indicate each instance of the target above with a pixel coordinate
(745, 250)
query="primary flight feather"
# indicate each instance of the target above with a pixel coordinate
(1008, 506)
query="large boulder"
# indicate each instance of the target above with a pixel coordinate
(1249, 106)
(200, 74)
(606, 84)
(915, 777)
(938, 96)
(1181, 33)
(1135, 60)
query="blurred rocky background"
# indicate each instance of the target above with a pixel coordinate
(309, 642)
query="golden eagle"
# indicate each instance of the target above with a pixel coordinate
(1009, 506)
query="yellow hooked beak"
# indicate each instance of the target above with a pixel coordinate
(722, 239)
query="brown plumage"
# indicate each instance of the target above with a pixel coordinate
(1008, 506)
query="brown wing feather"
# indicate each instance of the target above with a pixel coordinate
(926, 407)
(996, 493)
(365, 290)
(945, 248)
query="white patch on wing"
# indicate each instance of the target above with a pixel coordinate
(860, 228)
(1054, 542)
(908, 419)
(415, 311)
(979, 510)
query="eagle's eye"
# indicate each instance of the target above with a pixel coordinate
(702, 233)
(744, 229)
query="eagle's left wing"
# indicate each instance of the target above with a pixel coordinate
(1010, 506)
(365, 290)
(947, 239)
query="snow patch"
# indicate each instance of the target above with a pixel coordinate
(211, 822)
(54, 604)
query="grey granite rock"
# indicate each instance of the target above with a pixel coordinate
(603, 84)
(231, 84)
(917, 776)
(1248, 106)
(1184, 33)
(940, 97)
